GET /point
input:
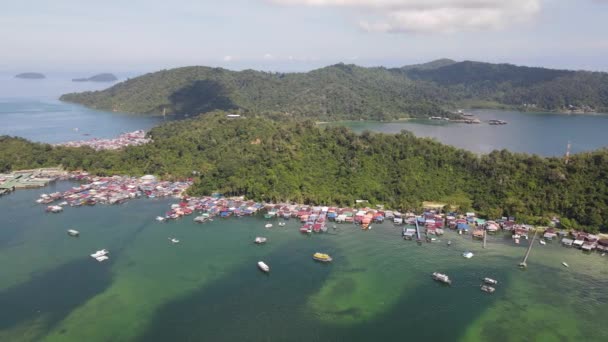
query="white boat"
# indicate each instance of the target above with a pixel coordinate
(542, 242)
(441, 278)
(517, 241)
(268, 225)
(260, 240)
(102, 258)
(160, 218)
(262, 266)
(63, 203)
(40, 200)
(281, 224)
(201, 219)
(468, 255)
(174, 240)
(73, 232)
(490, 281)
(563, 263)
(488, 289)
(54, 209)
(100, 253)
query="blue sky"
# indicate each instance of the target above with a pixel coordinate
(297, 35)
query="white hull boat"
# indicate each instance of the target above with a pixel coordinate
(263, 267)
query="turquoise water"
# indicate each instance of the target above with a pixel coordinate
(208, 287)
(31, 109)
(545, 134)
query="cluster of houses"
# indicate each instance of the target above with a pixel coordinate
(584, 241)
(112, 190)
(134, 138)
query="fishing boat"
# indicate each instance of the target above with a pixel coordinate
(490, 281)
(262, 266)
(322, 257)
(440, 277)
(542, 242)
(468, 254)
(54, 209)
(73, 232)
(173, 240)
(487, 289)
(160, 219)
(566, 265)
(260, 240)
(269, 225)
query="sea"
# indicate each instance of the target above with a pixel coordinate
(208, 287)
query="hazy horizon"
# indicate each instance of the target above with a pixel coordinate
(299, 35)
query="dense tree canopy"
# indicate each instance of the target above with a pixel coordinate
(350, 92)
(300, 161)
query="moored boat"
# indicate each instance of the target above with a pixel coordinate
(566, 265)
(269, 225)
(322, 257)
(542, 242)
(262, 266)
(73, 232)
(487, 289)
(160, 219)
(468, 254)
(101, 255)
(490, 281)
(281, 224)
(440, 277)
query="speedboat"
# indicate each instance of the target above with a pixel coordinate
(440, 277)
(73, 232)
(160, 218)
(490, 281)
(322, 257)
(268, 225)
(260, 240)
(174, 240)
(563, 263)
(542, 242)
(467, 254)
(487, 288)
(262, 266)
(100, 255)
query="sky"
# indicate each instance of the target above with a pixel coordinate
(298, 35)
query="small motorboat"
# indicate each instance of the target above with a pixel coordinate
(490, 281)
(281, 224)
(160, 219)
(173, 240)
(449, 242)
(268, 225)
(262, 266)
(54, 209)
(73, 232)
(542, 242)
(64, 203)
(487, 289)
(468, 254)
(440, 277)
(101, 255)
(566, 265)
(260, 240)
(322, 257)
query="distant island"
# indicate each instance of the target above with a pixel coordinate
(105, 77)
(350, 92)
(30, 75)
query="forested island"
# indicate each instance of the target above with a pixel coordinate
(350, 92)
(105, 77)
(299, 161)
(30, 75)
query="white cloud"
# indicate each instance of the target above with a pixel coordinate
(432, 15)
(268, 56)
(228, 58)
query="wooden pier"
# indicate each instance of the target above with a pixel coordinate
(418, 230)
(523, 263)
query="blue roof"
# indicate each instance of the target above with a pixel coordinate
(463, 226)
